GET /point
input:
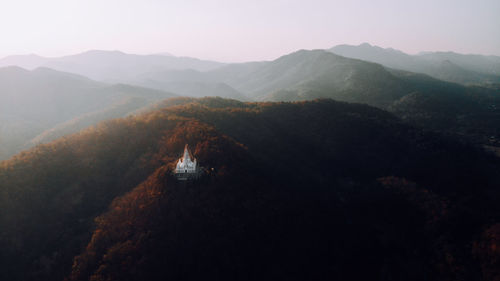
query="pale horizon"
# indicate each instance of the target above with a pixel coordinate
(239, 31)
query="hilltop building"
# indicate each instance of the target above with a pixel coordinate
(187, 166)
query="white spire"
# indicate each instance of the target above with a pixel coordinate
(186, 157)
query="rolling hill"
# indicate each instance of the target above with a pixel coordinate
(34, 102)
(296, 191)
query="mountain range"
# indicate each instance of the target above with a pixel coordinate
(447, 66)
(110, 66)
(116, 66)
(470, 111)
(43, 104)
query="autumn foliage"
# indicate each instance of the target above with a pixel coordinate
(297, 191)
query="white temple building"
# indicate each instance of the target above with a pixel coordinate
(187, 166)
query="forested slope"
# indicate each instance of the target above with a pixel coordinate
(308, 190)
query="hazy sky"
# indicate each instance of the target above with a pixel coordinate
(233, 30)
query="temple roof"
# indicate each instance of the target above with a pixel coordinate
(187, 155)
(187, 163)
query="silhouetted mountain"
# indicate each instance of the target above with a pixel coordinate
(111, 66)
(24, 61)
(452, 67)
(296, 191)
(116, 66)
(32, 102)
(165, 54)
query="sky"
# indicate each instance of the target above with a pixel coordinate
(236, 31)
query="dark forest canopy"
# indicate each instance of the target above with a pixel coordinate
(301, 191)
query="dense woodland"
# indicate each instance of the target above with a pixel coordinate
(292, 191)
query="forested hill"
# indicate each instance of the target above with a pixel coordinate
(298, 191)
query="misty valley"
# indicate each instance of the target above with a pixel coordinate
(347, 163)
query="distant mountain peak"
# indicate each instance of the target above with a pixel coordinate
(103, 52)
(166, 54)
(26, 56)
(49, 71)
(13, 69)
(479, 68)
(304, 52)
(365, 47)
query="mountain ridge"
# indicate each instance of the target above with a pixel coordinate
(305, 75)
(115, 66)
(484, 69)
(32, 102)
